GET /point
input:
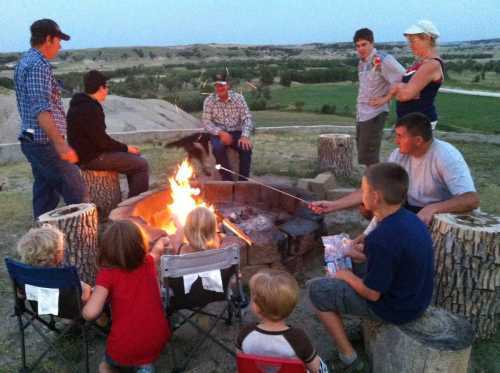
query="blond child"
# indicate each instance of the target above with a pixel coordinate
(274, 295)
(44, 247)
(198, 234)
(127, 278)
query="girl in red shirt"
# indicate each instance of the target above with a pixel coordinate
(128, 280)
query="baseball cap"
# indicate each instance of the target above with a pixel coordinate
(47, 27)
(93, 80)
(221, 78)
(423, 27)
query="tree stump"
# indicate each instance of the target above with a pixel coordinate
(104, 190)
(467, 267)
(79, 224)
(335, 153)
(437, 342)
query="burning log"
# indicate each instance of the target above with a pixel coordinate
(437, 342)
(79, 225)
(335, 153)
(104, 190)
(467, 266)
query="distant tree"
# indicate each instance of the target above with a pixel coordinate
(328, 109)
(139, 52)
(266, 76)
(286, 78)
(476, 79)
(7, 83)
(299, 106)
(124, 56)
(152, 55)
(258, 104)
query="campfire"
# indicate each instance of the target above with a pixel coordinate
(272, 225)
(185, 198)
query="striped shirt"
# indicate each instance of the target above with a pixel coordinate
(38, 91)
(232, 115)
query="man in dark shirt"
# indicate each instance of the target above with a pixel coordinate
(95, 148)
(397, 286)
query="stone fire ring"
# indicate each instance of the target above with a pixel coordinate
(285, 246)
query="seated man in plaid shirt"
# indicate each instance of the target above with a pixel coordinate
(227, 118)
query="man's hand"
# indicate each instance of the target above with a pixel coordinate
(225, 137)
(377, 101)
(66, 153)
(133, 150)
(245, 143)
(427, 213)
(320, 207)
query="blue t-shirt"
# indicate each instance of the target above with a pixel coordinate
(400, 267)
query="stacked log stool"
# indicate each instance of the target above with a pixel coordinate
(104, 190)
(79, 224)
(467, 267)
(335, 153)
(437, 342)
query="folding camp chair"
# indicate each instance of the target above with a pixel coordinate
(185, 305)
(26, 281)
(248, 363)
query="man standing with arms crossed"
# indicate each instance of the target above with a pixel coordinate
(43, 122)
(376, 72)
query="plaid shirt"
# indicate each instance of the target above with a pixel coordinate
(38, 91)
(232, 115)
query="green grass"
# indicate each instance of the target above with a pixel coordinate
(458, 113)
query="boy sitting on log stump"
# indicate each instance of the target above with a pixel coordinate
(397, 285)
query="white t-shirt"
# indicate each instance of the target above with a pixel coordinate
(441, 173)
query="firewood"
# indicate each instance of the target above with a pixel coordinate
(79, 224)
(104, 190)
(467, 268)
(335, 153)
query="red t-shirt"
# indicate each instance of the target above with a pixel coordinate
(139, 330)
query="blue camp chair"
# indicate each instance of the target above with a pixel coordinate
(67, 281)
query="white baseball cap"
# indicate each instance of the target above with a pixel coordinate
(423, 27)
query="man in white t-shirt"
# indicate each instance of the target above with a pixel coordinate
(440, 180)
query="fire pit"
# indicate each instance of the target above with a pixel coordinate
(283, 231)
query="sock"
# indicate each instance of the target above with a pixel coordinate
(348, 360)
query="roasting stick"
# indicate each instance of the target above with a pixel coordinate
(219, 167)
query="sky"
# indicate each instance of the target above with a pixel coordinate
(118, 23)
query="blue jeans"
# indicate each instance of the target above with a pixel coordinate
(219, 150)
(134, 166)
(53, 178)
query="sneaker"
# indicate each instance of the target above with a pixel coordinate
(357, 366)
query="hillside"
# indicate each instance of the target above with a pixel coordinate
(122, 114)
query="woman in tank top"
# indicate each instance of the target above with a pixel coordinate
(421, 82)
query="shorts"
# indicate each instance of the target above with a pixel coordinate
(368, 139)
(333, 295)
(146, 368)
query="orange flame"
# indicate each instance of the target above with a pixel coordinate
(183, 196)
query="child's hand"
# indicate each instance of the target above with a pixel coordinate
(344, 274)
(160, 246)
(86, 291)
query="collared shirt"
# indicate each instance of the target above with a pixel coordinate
(232, 115)
(38, 91)
(376, 75)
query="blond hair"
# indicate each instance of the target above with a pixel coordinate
(275, 292)
(200, 229)
(41, 246)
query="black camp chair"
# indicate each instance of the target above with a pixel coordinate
(67, 282)
(181, 307)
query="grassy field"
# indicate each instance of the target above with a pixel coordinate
(458, 113)
(293, 155)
